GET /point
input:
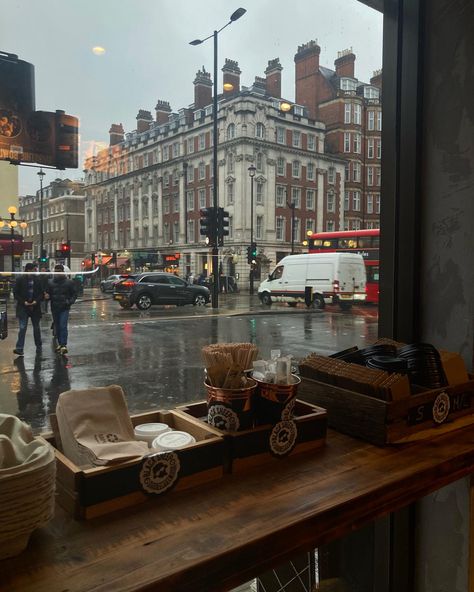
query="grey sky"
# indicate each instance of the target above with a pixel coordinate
(148, 56)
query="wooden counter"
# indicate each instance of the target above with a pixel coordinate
(223, 534)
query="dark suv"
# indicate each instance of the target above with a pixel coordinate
(146, 289)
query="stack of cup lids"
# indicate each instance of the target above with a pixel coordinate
(27, 484)
(173, 440)
(147, 432)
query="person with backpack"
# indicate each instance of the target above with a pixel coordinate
(28, 293)
(62, 295)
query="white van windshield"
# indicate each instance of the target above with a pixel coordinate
(277, 273)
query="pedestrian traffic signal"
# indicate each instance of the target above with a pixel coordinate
(222, 225)
(43, 257)
(208, 225)
(252, 254)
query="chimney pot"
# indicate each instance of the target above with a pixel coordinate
(344, 65)
(273, 78)
(231, 76)
(116, 134)
(202, 89)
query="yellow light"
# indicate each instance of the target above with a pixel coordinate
(98, 50)
(228, 86)
(12, 210)
(309, 233)
(13, 224)
(305, 243)
(23, 224)
(2, 223)
(285, 107)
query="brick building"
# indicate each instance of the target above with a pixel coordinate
(63, 220)
(144, 192)
(352, 113)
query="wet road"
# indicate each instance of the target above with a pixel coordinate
(155, 356)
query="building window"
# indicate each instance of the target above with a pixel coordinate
(310, 171)
(281, 166)
(357, 143)
(166, 180)
(378, 172)
(175, 178)
(379, 121)
(230, 163)
(309, 226)
(202, 171)
(370, 148)
(176, 149)
(355, 224)
(309, 199)
(259, 162)
(370, 176)
(348, 84)
(357, 114)
(296, 169)
(191, 236)
(370, 120)
(297, 230)
(259, 227)
(190, 200)
(176, 232)
(202, 198)
(176, 203)
(202, 141)
(379, 149)
(346, 201)
(259, 196)
(155, 208)
(230, 193)
(231, 131)
(356, 171)
(330, 225)
(260, 131)
(377, 203)
(347, 172)
(296, 139)
(296, 196)
(190, 145)
(370, 203)
(311, 142)
(330, 202)
(280, 134)
(356, 201)
(280, 228)
(347, 142)
(347, 112)
(280, 196)
(331, 175)
(166, 205)
(190, 174)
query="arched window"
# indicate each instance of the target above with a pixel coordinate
(231, 131)
(230, 166)
(260, 131)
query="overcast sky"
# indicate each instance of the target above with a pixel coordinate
(148, 56)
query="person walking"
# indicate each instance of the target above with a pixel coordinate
(44, 279)
(28, 293)
(62, 295)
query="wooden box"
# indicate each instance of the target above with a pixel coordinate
(91, 492)
(268, 443)
(423, 415)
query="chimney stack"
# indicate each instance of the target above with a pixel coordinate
(273, 80)
(144, 119)
(232, 74)
(202, 89)
(162, 111)
(376, 79)
(344, 65)
(307, 76)
(116, 133)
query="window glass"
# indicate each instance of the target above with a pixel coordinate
(176, 281)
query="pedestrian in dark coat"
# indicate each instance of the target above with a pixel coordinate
(62, 294)
(28, 293)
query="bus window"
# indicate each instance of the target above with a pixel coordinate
(347, 243)
(365, 242)
(372, 273)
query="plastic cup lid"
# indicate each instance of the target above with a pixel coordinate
(151, 429)
(173, 440)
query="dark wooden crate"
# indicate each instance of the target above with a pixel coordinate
(252, 447)
(381, 422)
(90, 492)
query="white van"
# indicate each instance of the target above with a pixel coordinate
(316, 279)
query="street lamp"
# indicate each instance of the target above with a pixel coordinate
(185, 186)
(12, 224)
(215, 250)
(41, 174)
(252, 170)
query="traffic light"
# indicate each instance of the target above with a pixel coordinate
(66, 248)
(208, 225)
(222, 225)
(252, 254)
(43, 257)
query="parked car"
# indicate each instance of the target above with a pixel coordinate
(146, 289)
(107, 285)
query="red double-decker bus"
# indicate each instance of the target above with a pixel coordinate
(365, 242)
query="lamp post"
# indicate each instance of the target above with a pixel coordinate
(215, 197)
(41, 174)
(12, 223)
(292, 206)
(252, 169)
(185, 186)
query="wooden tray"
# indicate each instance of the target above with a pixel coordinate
(268, 443)
(423, 415)
(91, 492)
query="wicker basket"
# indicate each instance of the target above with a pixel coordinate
(27, 484)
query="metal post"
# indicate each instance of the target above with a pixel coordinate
(12, 241)
(185, 169)
(292, 227)
(215, 201)
(251, 233)
(41, 174)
